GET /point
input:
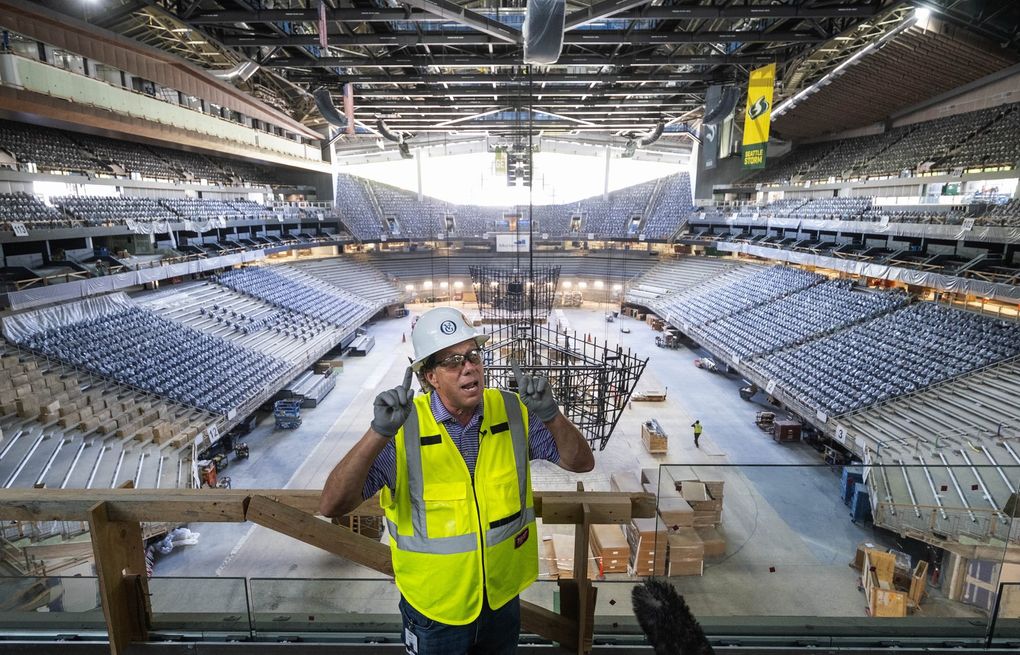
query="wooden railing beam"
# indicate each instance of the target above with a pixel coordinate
(115, 517)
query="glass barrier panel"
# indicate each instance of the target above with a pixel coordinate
(835, 551)
(334, 605)
(199, 604)
(1005, 631)
(50, 603)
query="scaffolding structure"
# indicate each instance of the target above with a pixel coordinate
(591, 381)
(514, 295)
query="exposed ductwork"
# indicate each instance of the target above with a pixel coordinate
(652, 136)
(636, 140)
(242, 71)
(400, 138)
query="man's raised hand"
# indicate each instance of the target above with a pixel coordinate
(536, 394)
(393, 406)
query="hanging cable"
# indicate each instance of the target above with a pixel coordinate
(531, 185)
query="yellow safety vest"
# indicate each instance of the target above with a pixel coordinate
(454, 540)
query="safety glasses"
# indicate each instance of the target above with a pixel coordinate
(457, 360)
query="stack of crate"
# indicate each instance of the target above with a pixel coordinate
(707, 510)
(686, 553)
(547, 559)
(654, 437)
(609, 543)
(28, 392)
(563, 556)
(706, 499)
(647, 541)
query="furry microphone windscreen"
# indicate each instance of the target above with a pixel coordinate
(667, 621)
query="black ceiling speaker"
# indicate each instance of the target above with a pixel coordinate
(716, 111)
(324, 101)
(543, 31)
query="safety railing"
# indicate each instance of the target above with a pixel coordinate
(132, 604)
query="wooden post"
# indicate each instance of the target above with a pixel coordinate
(123, 586)
(577, 596)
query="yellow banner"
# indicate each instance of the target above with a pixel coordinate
(758, 115)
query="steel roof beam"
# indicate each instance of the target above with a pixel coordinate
(485, 25)
(587, 37)
(603, 9)
(539, 126)
(368, 15)
(570, 92)
(458, 79)
(432, 110)
(412, 106)
(472, 61)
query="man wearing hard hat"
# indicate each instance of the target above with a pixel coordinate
(453, 469)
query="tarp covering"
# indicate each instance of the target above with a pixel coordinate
(19, 327)
(93, 286)
(148, 227)
(998, 234)
(990, 290)
(543, 31)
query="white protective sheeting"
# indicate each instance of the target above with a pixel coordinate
(19, 327)
(990, 290)
(93, 286)
(543, 31)
(997, 233)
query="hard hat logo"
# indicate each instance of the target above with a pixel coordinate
(440, 328)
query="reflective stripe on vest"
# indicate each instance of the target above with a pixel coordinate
(498, 531)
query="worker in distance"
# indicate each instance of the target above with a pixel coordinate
(453, 469)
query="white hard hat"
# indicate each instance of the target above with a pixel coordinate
(441, 328)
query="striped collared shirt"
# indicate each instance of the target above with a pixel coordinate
(384, 469)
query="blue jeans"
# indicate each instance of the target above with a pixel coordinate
(494, 632)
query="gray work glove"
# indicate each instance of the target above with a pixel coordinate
(536, 394)
(392, 407)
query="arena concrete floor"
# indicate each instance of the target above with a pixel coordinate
(789, 536)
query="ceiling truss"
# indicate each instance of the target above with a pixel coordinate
(456, 65)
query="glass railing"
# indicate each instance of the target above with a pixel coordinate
(762, 555)
(184, 604)
(916, 551)
(1004, 628)
(54, 603)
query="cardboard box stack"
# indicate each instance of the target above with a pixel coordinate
(712, 541)
(707, 510)
(28, 392)
(563, 552)
(53, 397)
(609, 544)
(647, 541)
(547, 559)
(625, 482)
(686, 553)
(689, 514)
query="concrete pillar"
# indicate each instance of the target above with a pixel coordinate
(417, 163)
(605, 179)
